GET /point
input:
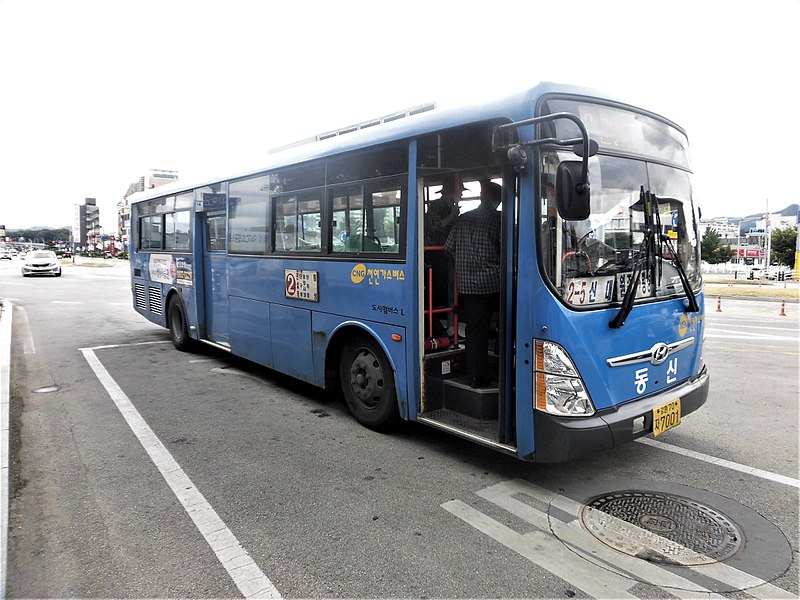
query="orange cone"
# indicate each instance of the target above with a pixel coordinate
(719, 303)
(783, 308)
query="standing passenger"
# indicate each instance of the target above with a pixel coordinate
(439, 220)
(475, 240)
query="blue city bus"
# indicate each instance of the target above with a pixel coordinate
(315, 266)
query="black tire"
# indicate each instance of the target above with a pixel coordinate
(176, 321)
(367, 383)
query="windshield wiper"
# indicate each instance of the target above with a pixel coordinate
(675, 259)
(676, 262)
(630, 294)
(646, 260)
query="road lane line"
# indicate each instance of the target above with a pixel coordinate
(27, 337)
(547, 552)
(107, 346)
(724, 333)
(790, 481)
(242, 569)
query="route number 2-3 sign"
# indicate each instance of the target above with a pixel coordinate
(301, 285)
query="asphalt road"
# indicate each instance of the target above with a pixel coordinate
(126, 476)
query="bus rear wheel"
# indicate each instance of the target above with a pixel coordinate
(368, 384)
(176, 320)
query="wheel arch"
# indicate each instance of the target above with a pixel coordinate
(344, 332)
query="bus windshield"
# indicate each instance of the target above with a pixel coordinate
(641, 214)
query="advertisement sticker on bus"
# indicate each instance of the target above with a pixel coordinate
(161, 268)
(183, 271)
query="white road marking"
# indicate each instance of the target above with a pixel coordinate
(243, 570)
(28, 346)
(722, 462)
(604, 573)
(582, 543)
(65, 302)
(121, 345)
(234, 371)
(722, 333)
(547, 552)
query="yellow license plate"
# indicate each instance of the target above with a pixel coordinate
(666, 416)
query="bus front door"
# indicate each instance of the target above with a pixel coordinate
(215, 273)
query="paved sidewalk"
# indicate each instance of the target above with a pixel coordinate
(5, 392)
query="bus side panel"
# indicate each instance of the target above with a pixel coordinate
(249, 328)
(291, 350)
(149, 296)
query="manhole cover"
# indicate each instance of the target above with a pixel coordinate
(661, 527)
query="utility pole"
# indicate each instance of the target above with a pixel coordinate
(768, 236)
(796, 270)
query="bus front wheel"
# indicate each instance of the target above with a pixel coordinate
(368, 384)
(176, 320)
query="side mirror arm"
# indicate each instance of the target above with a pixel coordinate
(516, 151)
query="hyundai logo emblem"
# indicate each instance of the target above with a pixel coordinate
(659, 353)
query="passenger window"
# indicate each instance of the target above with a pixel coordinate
(151, 233)
(298, 226)
(215, 233)
(176, 229)
(249, 231)
(366, 219)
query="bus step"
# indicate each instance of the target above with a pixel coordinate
(485, 429)
(478, 403)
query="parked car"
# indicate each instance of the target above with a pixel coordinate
(756, 273)
(41, 262)
(5, 254)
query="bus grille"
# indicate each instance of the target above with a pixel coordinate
(156, 303)
(139, 297)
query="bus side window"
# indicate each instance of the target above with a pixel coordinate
(297, 222)
(366, 221)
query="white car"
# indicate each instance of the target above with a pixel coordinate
(5, 254)
(41, 262)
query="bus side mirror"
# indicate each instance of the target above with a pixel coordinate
(572, 193)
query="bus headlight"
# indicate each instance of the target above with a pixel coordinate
(558, 388)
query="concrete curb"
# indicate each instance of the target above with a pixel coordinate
(6, 310)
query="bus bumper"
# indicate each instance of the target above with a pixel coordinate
(560, 439)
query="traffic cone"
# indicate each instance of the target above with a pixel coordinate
(783, 308)
(719, 303)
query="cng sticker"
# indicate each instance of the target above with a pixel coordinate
(358, 273)
(683, 325)
(687, 323)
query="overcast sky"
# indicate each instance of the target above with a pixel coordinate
(95, 93)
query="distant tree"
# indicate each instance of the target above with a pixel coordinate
(43, 235)
(712, 250)
(783, 245)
